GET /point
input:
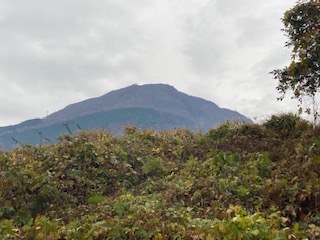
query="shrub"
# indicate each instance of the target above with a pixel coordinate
(179, 184)
(153, 166)
(286, 125)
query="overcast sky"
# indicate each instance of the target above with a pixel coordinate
(54, 53)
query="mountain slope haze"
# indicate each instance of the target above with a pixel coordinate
(158, 106)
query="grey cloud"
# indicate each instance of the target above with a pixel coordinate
(53, 53)
(254, 32)
(205, 39)
(212, 35)
(226, 35)
(51, 42)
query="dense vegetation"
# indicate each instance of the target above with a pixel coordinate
(37, 131)
(237, 181)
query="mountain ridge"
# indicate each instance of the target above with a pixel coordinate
(161, 97)
(158, 106)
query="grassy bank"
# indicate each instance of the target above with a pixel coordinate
(237, 181)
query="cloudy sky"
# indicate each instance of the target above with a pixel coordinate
(54, 53)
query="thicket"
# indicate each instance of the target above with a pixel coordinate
(237, 181)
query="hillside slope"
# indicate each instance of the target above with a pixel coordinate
(160, 97)
(113, 120)
(158, 106)
(234, 182)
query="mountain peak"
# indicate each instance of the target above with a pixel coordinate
(159, 106)
(151, 85)
(145, 88)
(160, 97)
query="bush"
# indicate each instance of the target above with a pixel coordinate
(153, 166)
(179, 184)
(286, 125)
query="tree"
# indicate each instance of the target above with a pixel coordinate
(302, 76)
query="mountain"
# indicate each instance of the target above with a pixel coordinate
(158, 106)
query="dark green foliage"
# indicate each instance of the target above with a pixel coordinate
(238, 181)
(287, 125)
(153, 166)
(95, 199)
(302, 76)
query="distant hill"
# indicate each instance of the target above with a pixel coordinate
(158, 106)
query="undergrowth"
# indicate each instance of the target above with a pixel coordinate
(237, 181)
